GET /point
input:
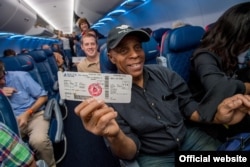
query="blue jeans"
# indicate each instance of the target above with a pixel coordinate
(195, 140)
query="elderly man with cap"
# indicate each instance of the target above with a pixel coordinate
(151, 127)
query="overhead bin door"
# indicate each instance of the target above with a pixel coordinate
(15, 17)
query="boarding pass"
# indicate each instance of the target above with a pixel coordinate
(78, 86)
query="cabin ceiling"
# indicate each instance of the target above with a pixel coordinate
(59, 12)
(33, 16)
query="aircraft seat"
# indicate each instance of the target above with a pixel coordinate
(106, 65)
(52, 111)
(52, 62)
(7, 116)
(178, 47)
(158, 33)
(151, 51)
(22, 63)
(44, 69)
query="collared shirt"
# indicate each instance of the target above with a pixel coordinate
(28, 90)
(86, 66)
(154, 118)
(13, 151)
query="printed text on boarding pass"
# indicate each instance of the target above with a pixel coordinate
(78, 86)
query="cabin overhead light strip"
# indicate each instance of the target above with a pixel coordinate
(125, 7)
(105, 19)
(117, 12)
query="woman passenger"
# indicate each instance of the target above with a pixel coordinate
(216, 64)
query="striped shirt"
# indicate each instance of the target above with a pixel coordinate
(13, 151)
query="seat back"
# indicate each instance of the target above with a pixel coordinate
(158, 33)
(151, 51)
(106, 65)
(45, 72)
(52, 62)
(178, 48)
(7, 115)
(22, 63)
(52, 111)
(151, 54)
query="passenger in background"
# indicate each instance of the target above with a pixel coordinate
(9, 53)
(14, 152)
(151, 128)
(58, 57)
(83, 25)
(90, 46)
(27, 99)
(72, 38)
(24, 50)
(216, 65)
(178, 23)
(56, 48)
(66, 49)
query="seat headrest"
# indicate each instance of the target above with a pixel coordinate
(106, 65)
(18, 63)
(151, 51)
(185, 37)
(38, 55)
(7, 115)
(48, 52)
(157, 34)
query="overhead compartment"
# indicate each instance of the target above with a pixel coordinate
(15, 17)
(40, 31)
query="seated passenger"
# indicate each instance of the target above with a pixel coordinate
(216, 65)
(151, 127)
(58, 57)
(9, 53)
(92, 61)
(178, 23)
(14, 152)
(27, 99)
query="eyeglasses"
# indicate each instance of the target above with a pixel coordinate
(2, 77)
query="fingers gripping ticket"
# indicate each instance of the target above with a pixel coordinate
(96, 115)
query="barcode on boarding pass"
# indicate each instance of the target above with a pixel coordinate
(78, 86)
(106, 86)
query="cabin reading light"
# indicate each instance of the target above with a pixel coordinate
(116, 13)
(105, 19)
(132, 3)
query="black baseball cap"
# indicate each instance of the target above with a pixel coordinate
(118, 33)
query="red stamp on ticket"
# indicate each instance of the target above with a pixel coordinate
(95, 89)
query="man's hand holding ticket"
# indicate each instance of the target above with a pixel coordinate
(78, 86)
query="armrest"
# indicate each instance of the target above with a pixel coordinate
(56, 86)
(53, 114)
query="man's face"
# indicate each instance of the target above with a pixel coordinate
(128, 56)
(2, 78)
(89, 46)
